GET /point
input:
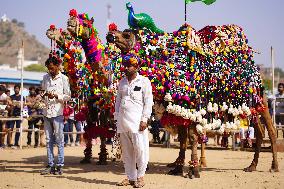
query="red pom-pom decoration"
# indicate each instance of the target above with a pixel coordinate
(52, 27)
(112, 27)
(73, 12)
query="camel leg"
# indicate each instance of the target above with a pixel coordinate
(193, 171)
(104, 118)
(202, 160)
(87, 151)
(92, 120)
(272, 136)
(259, 134)
(179, 162)
(103, 152)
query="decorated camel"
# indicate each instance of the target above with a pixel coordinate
(204, 80)
(85, 64)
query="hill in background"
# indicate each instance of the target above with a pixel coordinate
(11, 35)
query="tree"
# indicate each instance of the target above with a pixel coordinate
(35, 68)
(21, 24)
(267, 83)
(280, 71)
(14, 20)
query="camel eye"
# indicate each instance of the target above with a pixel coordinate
(126, 35)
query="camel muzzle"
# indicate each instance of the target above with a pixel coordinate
(110, 38)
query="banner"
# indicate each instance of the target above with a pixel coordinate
(207, 2)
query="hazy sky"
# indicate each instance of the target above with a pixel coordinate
(260, 19)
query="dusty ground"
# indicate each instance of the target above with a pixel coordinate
(20, 169)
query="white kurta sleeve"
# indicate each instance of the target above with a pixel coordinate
(43, 83)
(117, 102)
(147, 100)
(66, 90)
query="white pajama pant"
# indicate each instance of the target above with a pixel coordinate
(135, 150)
(243, 130)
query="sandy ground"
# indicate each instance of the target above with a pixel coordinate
(20, 169)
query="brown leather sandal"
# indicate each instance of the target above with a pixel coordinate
(139, 183)
(125, 182)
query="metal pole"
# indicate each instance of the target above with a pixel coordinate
(273, 93)
(22, 88)
(108, 14)
(185, 11)
(272, 67)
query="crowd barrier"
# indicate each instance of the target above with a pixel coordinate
(21, 130)
(167, 142)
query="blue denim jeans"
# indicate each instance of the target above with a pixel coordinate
(68, 127)
(53, 128)
(78, 129)
(33, 125)
(10, 125)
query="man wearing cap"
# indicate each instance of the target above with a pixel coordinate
(133, 108)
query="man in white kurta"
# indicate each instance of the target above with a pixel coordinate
(133, 108)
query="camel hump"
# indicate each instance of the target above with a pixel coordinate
(217, 39)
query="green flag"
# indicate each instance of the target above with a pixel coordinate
(207, 2)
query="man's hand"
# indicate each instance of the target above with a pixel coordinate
(143, 126)
(52, 95)
(55, 96)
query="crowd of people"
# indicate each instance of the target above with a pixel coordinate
(10, 107)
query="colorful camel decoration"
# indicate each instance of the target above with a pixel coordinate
(85, 64)
(201, 81)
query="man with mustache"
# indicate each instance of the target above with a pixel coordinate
(133, 108)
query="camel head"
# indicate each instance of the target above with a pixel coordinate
(79, 26)
(73, 25)
(58, 35)
(124, 40)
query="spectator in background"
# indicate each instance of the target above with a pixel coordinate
(246, 132)
(279, 105)
(80, 122)
(155, 129)
(16, 112)
(5, 102)
(4, 98)
(8, 92)
(39, 91)
(68, 113)
(31, 102)
(79, 128)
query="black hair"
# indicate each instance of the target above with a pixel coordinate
(32, 88)
(53, 59)
(280, 84)
(17, 86)
(2, 88)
